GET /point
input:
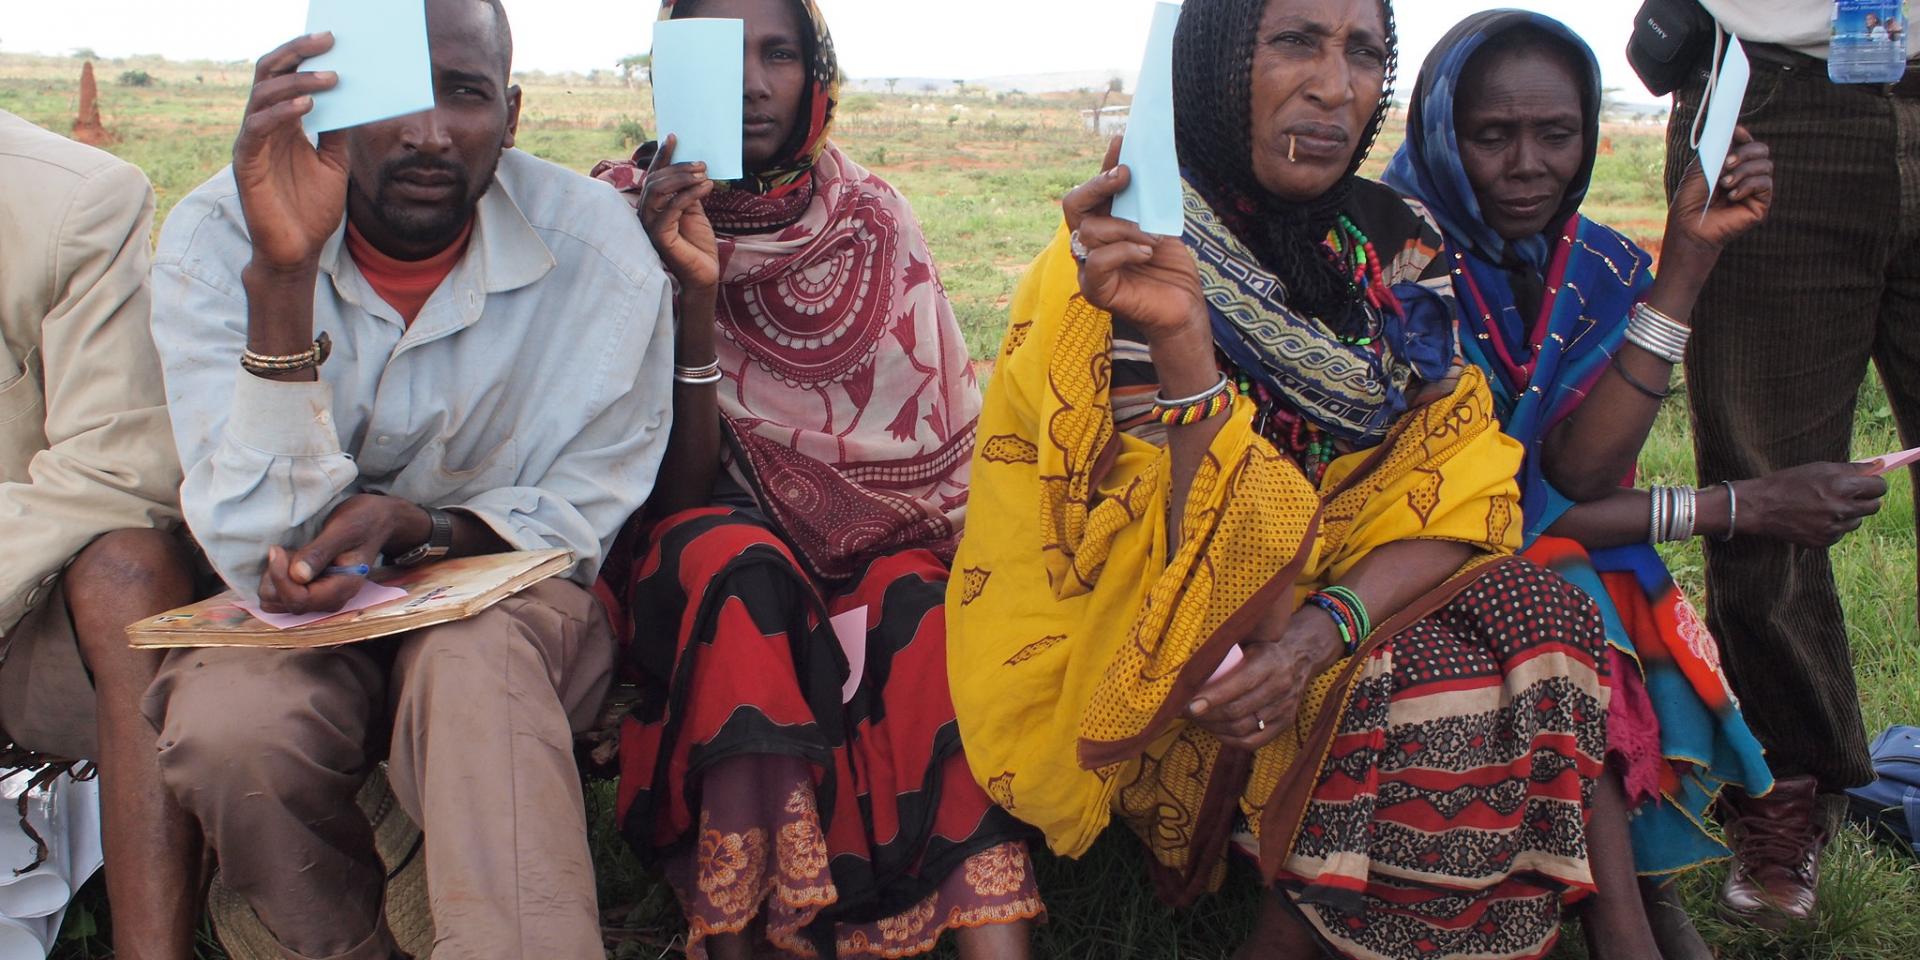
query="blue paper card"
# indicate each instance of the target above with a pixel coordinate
(1153, 196)
(699, 75)
(380, 52)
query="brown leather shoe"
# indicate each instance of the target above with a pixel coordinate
(1777, 840)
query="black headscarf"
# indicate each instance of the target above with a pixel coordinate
(1213, 109)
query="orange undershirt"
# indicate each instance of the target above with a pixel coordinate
(405, 284)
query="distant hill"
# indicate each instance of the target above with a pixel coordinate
(1025, 83)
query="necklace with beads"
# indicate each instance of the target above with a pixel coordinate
(1308, 446)
(1305, 443)
(1353, 251)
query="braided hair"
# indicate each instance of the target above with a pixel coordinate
(1213, 54)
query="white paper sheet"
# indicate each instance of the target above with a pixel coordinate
(33, 905)
(1723, 114)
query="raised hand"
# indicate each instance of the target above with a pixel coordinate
(1149, 281)
(676, 222)
(1740, 203)
(293, 193)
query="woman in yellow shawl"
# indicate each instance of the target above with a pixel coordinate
(1279, 612)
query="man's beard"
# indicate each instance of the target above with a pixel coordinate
(424, 226)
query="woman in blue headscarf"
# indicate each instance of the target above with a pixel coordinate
(1578, 338)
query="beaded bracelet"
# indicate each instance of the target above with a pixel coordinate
(1334, 609)
(1191, 410)
(1362, 623)
(1348, 613)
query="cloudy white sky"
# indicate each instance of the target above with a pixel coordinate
(877, 38)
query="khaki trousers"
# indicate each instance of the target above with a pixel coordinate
(476, 719)
(46, 694)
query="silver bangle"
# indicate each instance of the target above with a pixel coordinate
(1658, 334)
(701, 376)
(1733, 511)
(1689, 513)
(1655, 521)
(1675, 514)
(1201, 397)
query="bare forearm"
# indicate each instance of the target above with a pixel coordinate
(1589, 453)
(471, 537)
(1624, 518)
(409, 527)
(1393, 576)
(280, 313)
(1587, 456)
(1186, 368)
(693, 446)
(1684, 268)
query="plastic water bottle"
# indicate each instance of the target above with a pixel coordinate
(1869, 43)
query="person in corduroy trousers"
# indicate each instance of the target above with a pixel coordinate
(1783, 336)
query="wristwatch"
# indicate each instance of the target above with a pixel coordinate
(439, 540)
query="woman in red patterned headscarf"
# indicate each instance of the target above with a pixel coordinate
(794, 761)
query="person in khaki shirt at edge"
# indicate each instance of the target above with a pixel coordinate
(89, 490)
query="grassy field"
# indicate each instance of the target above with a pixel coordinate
(984, 175)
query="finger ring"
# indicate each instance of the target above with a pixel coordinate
(1078, 249)
(1259, 724)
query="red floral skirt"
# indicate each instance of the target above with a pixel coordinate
(775, 779)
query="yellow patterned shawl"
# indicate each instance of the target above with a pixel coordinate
(1077, 632)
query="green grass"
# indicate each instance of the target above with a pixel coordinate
(985, 183)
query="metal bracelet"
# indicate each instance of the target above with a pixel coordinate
(704, 375)
(1160, 400)
(1733, 511)
(264, 363)
(1675, 514)
(1655, 524)
(1634, 382)
(1689, 519)
(1658, 334)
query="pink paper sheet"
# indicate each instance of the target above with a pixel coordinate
(850, 629)
(371, 595)
(1893, 461)
(1233, 658)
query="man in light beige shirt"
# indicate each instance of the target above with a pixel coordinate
(89, 484)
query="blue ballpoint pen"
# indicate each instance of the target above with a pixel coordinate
(357, 570)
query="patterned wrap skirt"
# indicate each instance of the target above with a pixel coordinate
(774, 777)
(1449, 816)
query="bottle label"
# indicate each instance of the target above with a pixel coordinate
(1869, 43)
